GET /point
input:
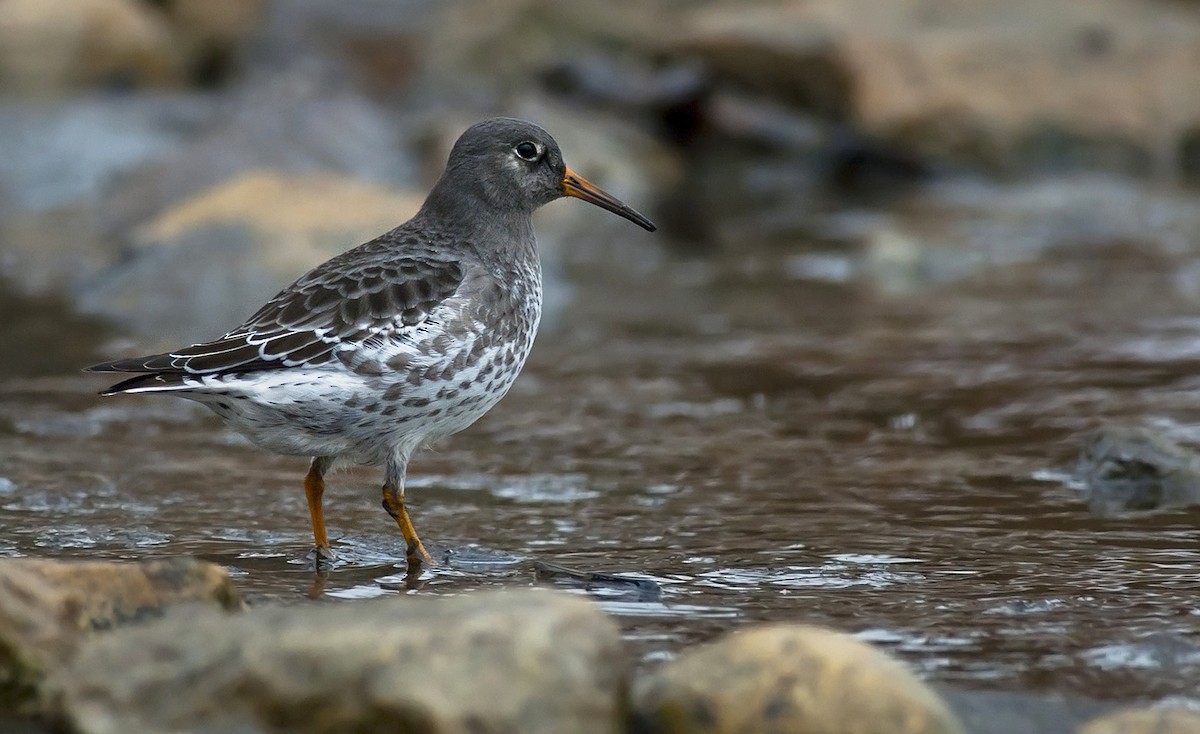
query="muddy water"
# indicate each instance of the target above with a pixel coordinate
(763, 443)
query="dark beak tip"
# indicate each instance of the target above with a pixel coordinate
(636, 217)
(633, 215)
(576, 186)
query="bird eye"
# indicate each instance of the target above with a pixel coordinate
(527, 151)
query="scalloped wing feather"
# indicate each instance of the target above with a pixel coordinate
(348, 300)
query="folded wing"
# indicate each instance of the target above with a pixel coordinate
(340, 304)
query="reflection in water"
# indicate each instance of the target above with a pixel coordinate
(754, 445)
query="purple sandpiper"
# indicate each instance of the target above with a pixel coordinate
(398, 342)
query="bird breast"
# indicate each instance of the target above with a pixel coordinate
(442, 375)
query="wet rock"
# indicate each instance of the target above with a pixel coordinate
(51, 47)
(1011, 84)
(496, 662)
(788, 678)
(48, 608)
(1145, 721)
(1134, 469)
(208, 262)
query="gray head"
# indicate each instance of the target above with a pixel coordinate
(513, 166)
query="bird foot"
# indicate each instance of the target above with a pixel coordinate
(417, 557)
(321, 558)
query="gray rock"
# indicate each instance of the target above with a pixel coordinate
(1128, 469)
(788, 678)
(47, 608)
(526, 661)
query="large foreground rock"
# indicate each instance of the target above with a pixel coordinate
(47, 609)
(788, 678)
(526, 662)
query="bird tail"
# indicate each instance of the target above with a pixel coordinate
(150, 375)
(149, 363)
(150, 379)
(153, 382)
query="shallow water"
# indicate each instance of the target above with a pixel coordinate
(765, 440)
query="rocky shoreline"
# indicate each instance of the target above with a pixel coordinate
(168, 646)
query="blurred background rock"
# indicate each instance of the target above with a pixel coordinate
(168, 164)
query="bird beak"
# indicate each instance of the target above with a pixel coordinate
(575, 185)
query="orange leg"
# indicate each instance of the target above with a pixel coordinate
(393, 502)
(314, 491)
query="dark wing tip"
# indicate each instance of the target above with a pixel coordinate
(135, 364)
(162, 380)
(141, 365)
